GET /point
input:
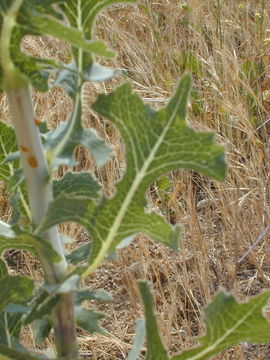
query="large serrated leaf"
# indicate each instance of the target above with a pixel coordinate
(14, 290)
(156, 143)
(228, 323)
(14, 238)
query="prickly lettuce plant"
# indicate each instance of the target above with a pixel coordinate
(156, 142)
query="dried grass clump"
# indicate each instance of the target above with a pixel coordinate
(225, 44)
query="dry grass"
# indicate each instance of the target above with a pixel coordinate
(224, 44)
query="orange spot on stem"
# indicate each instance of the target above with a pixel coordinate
(37, 121)
(24, 148)
(32, 161)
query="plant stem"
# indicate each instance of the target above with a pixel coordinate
(38, 183)
(40, 195)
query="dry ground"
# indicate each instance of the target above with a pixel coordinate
(226, 45)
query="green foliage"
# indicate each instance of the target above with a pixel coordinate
(227, 323)
(156, 142)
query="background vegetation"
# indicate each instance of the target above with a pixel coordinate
(226, 46)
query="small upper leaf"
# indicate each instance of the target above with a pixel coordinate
(38, 18)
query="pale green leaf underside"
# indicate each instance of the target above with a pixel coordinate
(156, 143)
(68, 77)
(62, 142)
(138, 341)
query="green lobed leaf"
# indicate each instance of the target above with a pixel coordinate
(156, 142)
(45, 25)
(14, 289)
(155, 348)
(88, 320)
(41, 306)
(228, 323)
(15, 238)
(7, 145)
